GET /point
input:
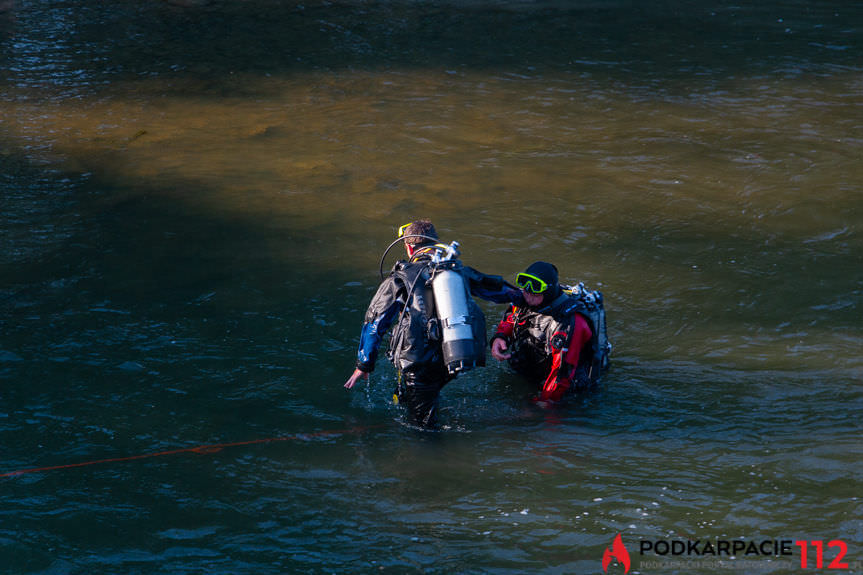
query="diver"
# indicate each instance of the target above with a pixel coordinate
(558, 339)
(439, 329)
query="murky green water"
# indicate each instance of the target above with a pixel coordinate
(194, 197)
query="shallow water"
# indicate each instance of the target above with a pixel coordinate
(195, 198)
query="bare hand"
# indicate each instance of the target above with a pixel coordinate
(355, 377)
(499, 349)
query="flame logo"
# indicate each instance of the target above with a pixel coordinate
(619, 552)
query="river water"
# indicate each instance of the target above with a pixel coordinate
(194, 199)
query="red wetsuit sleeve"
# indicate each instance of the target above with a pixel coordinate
(506, 326)
(564, 362)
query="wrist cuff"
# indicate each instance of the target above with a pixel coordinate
(500, 335)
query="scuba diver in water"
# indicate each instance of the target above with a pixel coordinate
(439, 329)
(558, 339)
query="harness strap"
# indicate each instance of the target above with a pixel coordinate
(425, 250)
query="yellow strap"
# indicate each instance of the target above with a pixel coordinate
(399, 385)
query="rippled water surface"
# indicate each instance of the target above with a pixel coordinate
(194, 198)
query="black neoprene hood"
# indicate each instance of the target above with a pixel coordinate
(544, 271)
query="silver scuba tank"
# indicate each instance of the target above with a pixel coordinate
(450, 297)
(451, 304)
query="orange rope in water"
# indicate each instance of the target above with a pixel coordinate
(199, 449)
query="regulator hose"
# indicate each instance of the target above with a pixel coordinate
(387, 251)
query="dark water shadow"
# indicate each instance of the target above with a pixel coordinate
(638, 43)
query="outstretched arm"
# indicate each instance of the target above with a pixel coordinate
(492, 288)
(383, 309)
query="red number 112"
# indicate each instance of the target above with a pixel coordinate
(819, 554)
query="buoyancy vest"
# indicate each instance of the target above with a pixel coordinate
(534, 332)
(415, 344)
